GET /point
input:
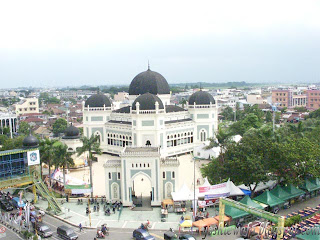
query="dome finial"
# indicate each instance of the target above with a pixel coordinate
(148, 65)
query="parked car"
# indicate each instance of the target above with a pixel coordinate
(141, 234)
(43, 230)
(5, 206)
(17, 203)
(187, 237)
(66, 233)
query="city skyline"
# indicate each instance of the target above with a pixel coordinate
(75, 43)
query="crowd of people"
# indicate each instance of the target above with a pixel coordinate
(108, 206)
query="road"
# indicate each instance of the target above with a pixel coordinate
(6, 233)
(114, 233)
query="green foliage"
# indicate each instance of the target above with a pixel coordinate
(90, 145)
(314, 114)
(59, 126)
(301, 109)
(12, 143)
(292, 220)
(268, 117)
(290, 154)
(228, 113)
(24, 128)
(44, 97)
(5, 131)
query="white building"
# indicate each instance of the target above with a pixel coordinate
(28, 105)
(148, 135)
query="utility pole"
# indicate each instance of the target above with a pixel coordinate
(273, 119)
(90, 166)
(194, 188)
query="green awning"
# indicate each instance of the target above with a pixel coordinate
(234, 212)
(268, 198)
(248, 201)
(280, 193)
(311, 234)
(315, 181)
(309, 186)
(293, 191)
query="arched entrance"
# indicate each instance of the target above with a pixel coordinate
(141, 190)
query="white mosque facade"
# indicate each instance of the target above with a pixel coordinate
(149, 135)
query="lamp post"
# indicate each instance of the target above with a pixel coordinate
(194, 188)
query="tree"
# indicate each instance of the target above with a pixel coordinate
(222, 139)
(47, 153)
(59, 126)
(228, 113)
(24, 128)
(268, 117)
(12, 143)
(62, 158)
(90, 145)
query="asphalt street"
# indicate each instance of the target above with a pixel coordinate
(114, 233)
(6, 233)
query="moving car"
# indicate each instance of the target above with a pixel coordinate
(5, 205)
(44, 230)
(66, 233)
(141, 234)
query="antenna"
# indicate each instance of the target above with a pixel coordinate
(148, 65)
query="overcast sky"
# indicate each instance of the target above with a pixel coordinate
(73, 43)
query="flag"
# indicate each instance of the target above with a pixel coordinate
(21, 193)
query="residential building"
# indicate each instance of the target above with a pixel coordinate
(28, 105)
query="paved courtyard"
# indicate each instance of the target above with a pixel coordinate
(132, 219)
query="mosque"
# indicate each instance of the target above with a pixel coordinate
(149, 135)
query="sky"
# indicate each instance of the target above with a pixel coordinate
(74, 43)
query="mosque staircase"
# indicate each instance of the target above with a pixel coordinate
(45, 193)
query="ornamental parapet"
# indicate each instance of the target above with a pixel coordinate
(170, 161)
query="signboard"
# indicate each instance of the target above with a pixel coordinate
(33, 157)
(213, 187)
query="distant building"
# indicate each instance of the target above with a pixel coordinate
(282, 97)
(8, 120)
(28, 105)
(255, 99)
(313, 99)
(121, 96)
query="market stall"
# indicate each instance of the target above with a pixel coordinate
(180, 197)
(283, 195)
(271, 200)
(294, 192)
(311, 188)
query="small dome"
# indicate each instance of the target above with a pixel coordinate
(30, 141)
(149, 81)
(98, 100)
(201, 98)
(147, 102)
(71, 133)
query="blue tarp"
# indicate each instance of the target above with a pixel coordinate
(246, 192)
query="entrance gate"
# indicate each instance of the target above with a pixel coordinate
(257, 212)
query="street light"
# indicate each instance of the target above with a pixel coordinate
(274, 109)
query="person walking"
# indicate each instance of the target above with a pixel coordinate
(80, 227)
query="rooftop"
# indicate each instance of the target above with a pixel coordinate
(141, 149)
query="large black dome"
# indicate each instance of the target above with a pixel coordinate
(201, 98)
(71, 133)
(147, 102)
(149, 81)
(30, 142)
(98, 100)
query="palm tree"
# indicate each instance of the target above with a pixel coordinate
(63, 158)
(90, 145)
(47, 153)
(221, 139)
